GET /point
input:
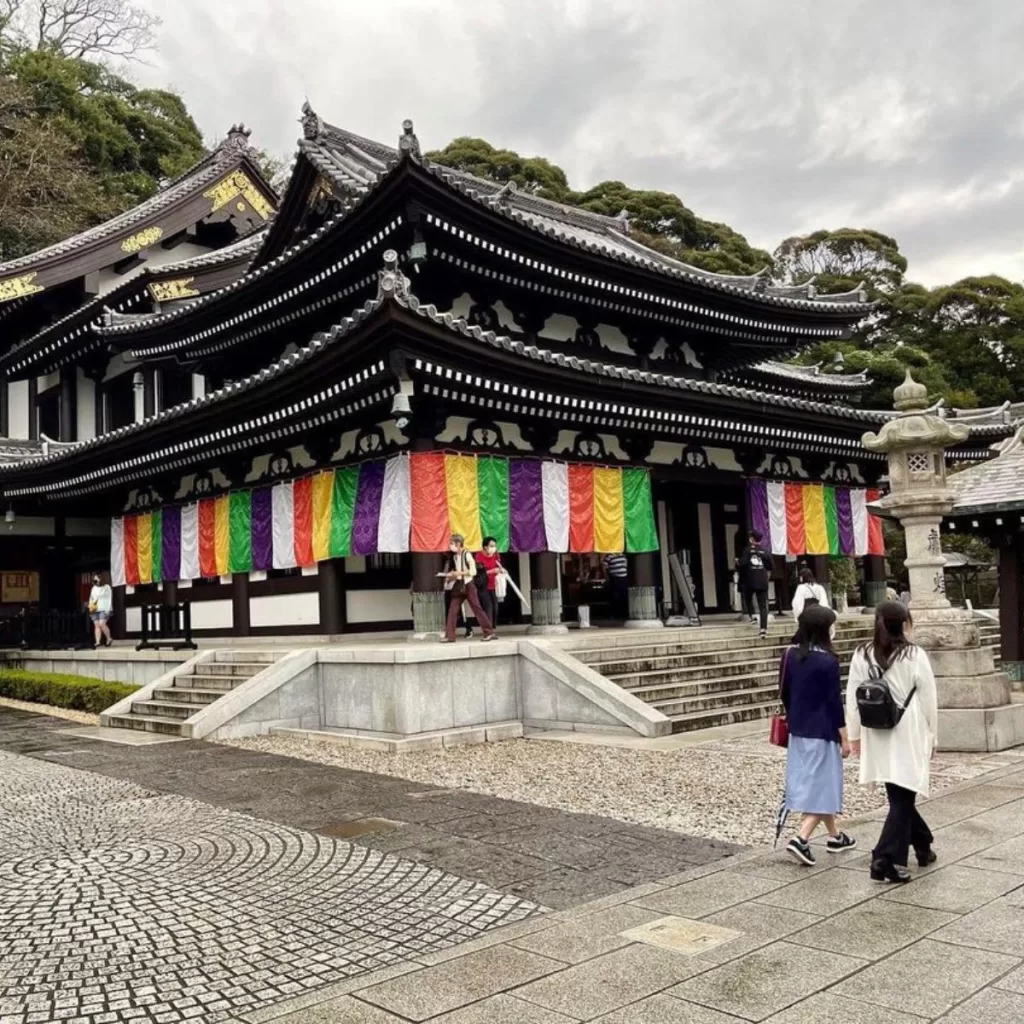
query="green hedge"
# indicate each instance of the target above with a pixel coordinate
(78, 692)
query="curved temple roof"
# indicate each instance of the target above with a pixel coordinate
(994, 485)
(813, 376)
(355, 165)
(18, 277)
(394, 290)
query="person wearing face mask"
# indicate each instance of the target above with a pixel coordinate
(101, 601)
(466, 583)
(490, 561)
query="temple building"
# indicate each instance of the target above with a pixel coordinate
(278, 411)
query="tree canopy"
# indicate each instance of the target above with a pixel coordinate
(79, 144)
(658, 219)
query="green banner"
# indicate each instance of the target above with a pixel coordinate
(240, 531)
(638, 507)
(493, 494)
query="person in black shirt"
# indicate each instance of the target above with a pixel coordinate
(756, 565)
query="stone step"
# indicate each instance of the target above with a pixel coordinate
(263, 658)
(223, 684)
(147, 723)
(682, 706)
(699, 645)
(229, 668)
(713, 659)
(188, 694)
(660, 692)
(165, 709)
(727, 716)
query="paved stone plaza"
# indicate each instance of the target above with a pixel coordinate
(119, 903)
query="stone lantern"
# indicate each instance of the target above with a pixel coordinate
(975, 712)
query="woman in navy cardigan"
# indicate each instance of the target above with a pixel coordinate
(813, 699)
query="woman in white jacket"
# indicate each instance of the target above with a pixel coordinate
(809, 591)
(898, 757)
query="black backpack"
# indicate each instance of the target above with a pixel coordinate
(878, 708)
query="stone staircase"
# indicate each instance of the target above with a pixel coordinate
(716, 675)
(168, 708)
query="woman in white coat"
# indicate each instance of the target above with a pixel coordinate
(897, 757)
(809, 591)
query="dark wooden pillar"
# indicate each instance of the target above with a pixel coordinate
(240, 604)
(68, 404)
(331, 578)
(427, 589)
(874, 580)
(1011, 604)
(33, 408)
(818, 564)
(149, 394)
(118, 623)
(545, 594)
(5, 414)
(644, 612)
(170, 592)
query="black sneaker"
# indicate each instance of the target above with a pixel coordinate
(840, 842)
(800, 850)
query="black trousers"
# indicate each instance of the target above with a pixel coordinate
(489, 603)
(761, 597)
(904, 828)
(619, 597)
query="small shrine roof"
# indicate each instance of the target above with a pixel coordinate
(228, 153)
(812, 375)
(994, 485)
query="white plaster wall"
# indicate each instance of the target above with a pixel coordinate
(30, 526)
(456, 428)
(284, 610)
(198, 385)
(210, 615)
(87, 527)
(377, 606)
(86, 408)
(51, 380)
(17, 409)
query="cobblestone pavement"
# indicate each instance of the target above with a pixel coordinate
(121, 904)
(542, 854)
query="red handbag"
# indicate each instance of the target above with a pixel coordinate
(778, 730)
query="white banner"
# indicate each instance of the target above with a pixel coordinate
(395, 507)
(190, 542)
(117, 552)
(282, 510)
(555, 481)
(777, 516)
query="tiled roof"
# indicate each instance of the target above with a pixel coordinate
(356, 164)
(993, 485)
(461, 327)
(810, 375)
(1008, 412)
(205, 172)
(15, 450)
(244, 249)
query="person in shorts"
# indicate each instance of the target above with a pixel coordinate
(101, 603)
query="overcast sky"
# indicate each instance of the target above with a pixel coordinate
(777, 118)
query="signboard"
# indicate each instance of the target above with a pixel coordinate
(683, 580)
(19, 587)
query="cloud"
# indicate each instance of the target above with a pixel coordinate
(774, 118)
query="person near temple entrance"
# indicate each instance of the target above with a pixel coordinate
(616, 568)
(899, 756)
(101, 602)
(466, 582)
(756, 565)
(490, 561)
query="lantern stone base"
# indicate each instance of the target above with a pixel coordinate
(984, 730)
(976, 711)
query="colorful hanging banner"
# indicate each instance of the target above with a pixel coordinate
(815, 519)
(408, 503)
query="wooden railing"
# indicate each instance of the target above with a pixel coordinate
(166, 625)
(46, 630)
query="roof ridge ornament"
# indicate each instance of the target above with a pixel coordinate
(236, 140)
(393, 284)
(312, 123)
(408, 143)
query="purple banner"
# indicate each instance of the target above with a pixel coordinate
(262, 529)
(526, 506)
(844, 513)
(170, 554)
(366, 517)
(757, 492)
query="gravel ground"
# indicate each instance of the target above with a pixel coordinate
(724, 790)
(81, 717)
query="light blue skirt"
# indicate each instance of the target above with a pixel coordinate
(814, 776)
